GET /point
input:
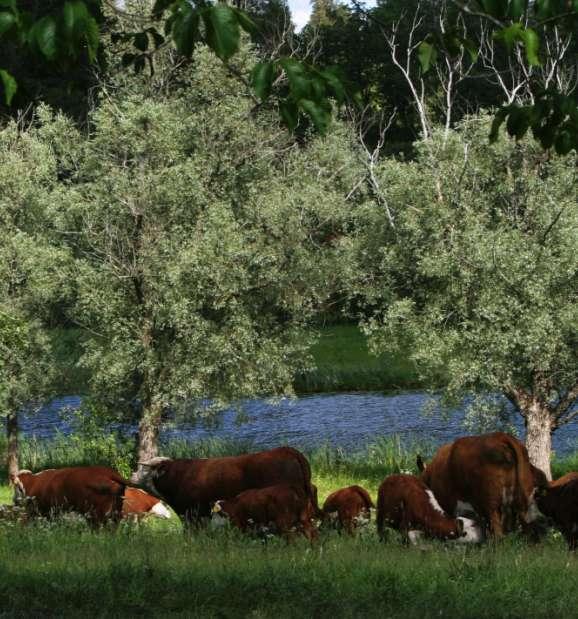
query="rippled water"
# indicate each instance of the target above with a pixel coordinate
(349, 420)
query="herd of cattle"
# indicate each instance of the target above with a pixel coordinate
(475, 487)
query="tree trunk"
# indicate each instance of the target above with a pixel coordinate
(12, 436)
(148, 432)
(539, 436)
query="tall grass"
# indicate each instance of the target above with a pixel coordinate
(59, 571)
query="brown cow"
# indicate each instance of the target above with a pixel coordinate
(560, 503)
(489, 475)
(406, 504)
(348, 508)
(138, 503)
(191, 487)
(281, 507)
(94, 491)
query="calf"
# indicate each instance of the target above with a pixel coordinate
(560, 503)
(94, 491)
(406, 504)
(348, 507)
(138, 504)
(281, 507)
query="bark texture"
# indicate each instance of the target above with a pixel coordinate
(539, 436)
(12, 449)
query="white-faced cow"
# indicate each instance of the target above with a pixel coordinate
(406, 504)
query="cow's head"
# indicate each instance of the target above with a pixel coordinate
(219, 516)
(148, 472)
(469, 531)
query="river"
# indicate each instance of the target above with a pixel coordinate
(347, 420)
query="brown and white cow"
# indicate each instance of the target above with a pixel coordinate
(95, 491)
(489, 475)
(406, 504)
(560, 503)
(348, 508)
(138, 504)
(191, 487)
(279, 508)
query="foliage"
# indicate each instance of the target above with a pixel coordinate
(553, 118)
(482, 267)
(203, 241)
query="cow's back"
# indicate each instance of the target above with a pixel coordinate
(194, 485)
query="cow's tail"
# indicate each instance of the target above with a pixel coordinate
(362, 492)
(310, 489)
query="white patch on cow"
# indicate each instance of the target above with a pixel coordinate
(473, 533)
(160, 510)
(415, 536)
(433, 502)
(463, 508)
(333, 516)
(533, 512)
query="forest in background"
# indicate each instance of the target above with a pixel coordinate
(157, 206)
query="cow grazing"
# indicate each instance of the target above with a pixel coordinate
(94, 491)
(279, 508)
(348, 508)
(489, 475)
(406, 504)
(191, 487)
(138, 504)
(560, 503)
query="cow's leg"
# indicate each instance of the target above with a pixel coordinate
(496, 526)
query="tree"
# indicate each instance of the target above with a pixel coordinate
(29, 279)
(203, 240)
(480, 274)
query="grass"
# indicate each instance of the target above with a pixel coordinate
(343, 363)
(64, 569)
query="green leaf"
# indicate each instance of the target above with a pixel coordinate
(531, 45)
(7, 21)
(185, 28)
(335, 84)
(262, 77)
(222, 30)
(9, 85)
(79, 29)
(510, 34)
(141, 41)
(319, 113)
(516, 9)
(246, 22)
(289, 113)
(427, 55)
(9, 4)
(299, 80)
(43, 35)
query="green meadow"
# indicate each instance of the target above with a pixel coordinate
(64, 569)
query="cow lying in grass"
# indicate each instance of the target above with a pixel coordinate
(138, 504)
(406, 504)
(97, 492)
(280, 509)
(348, 508)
